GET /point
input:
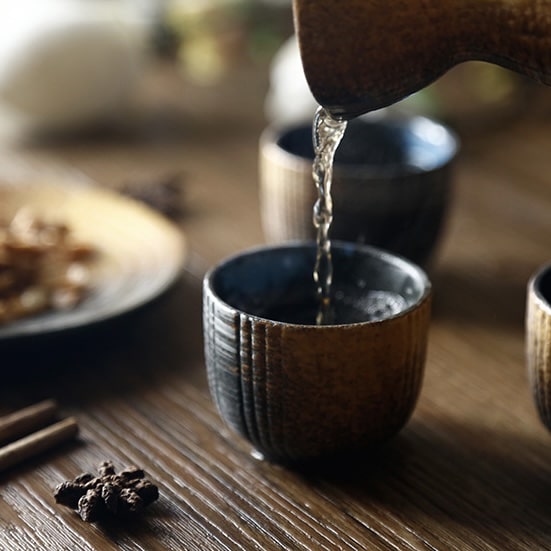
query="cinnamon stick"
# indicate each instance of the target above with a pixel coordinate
(27, 420)
(37, 442)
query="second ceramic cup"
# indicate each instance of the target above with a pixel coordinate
(391, 185)
(538, 341)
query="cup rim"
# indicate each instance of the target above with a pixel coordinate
(271, 135)
(403, 263)
(534, 286)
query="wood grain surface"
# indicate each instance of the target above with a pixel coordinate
(470, 471)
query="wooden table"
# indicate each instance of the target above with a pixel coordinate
(472, 469)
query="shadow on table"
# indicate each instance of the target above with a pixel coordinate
(489, 481)
(140, 348)
(151, 526)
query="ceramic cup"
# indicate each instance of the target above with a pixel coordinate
(299, 391)
(391, 185)
(538, 341)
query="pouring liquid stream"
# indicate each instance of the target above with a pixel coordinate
(352, 304)
(327, 135)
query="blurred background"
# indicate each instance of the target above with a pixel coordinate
(166, 100)
(72, 65)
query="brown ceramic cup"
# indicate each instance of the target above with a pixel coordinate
(391, 185)
(297, 390)
(538, 341)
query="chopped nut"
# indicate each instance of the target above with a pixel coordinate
(41, 267)
(77, 275)
(65, 298)
(80, 252)
(33, 299)
(8, 280)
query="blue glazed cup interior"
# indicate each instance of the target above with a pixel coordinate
(541, 284)
(381, 146)
(276, 283)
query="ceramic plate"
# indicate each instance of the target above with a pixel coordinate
(140, 252)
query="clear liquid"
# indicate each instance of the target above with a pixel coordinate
(354, 305)
(327, 135)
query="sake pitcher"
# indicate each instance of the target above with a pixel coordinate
(361, 55)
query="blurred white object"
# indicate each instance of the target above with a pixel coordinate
(277, 2)
(289, 98)
(69, 63)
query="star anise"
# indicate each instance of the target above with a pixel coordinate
(123, 494)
